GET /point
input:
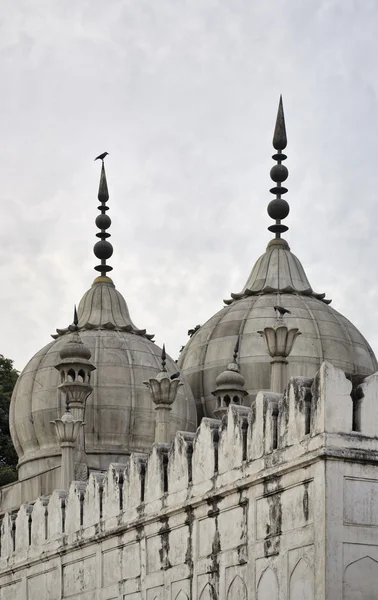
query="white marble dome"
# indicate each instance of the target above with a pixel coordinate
(277, 278)
(120, 414)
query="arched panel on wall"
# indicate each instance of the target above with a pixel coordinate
(208, 593)
(181, 596)
(302, 582)
(268, 586)
(360, 579)
(237, 589)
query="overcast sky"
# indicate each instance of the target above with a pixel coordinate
(183, 95)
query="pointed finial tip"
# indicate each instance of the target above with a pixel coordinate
(76, 318)
(279, 137)
(163, 358)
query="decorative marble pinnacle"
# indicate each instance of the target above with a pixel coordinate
(163, 390)
(103, 249)
(279, 341)
(67, 428)
(278, 209)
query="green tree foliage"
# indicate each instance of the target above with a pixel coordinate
(8, 456)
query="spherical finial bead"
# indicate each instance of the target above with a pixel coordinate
(279, 173)
(278, 209)
(103, 222)
(103, 249)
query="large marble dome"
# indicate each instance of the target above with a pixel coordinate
(120, 415)
(277, 278)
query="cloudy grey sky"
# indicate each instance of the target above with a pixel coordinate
(183, 95)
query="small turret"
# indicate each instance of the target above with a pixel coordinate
(75, 370)
(230, 386)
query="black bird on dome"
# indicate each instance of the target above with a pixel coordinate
(191, 332)
(102, 156)
(281, 310)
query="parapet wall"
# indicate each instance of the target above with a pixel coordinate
(220, 506)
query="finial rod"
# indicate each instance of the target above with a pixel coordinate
(163, 359)
(103, 249)
(76, 318)
(236, 349)
(278, 208)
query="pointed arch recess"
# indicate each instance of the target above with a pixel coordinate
(237, 589)
(302, 581)
(360, 579)
(208, 593)
(268, 586)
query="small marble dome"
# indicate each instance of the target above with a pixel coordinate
(231, 378)
(277, 278)
(120, 414)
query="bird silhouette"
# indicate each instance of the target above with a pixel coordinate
(102, 156)
(281, 310)
(194, 330)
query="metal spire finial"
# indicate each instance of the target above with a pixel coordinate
(279, 137)
(236, 349)
(278, 208)
(76, 318)
(103, 249)
(163, 359)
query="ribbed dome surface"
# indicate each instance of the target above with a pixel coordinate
(120, 415)
(104, 307)
(326, 334)
(278, 270)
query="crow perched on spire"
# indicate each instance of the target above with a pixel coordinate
(102, 156)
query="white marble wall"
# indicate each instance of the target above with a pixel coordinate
(219, 514)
